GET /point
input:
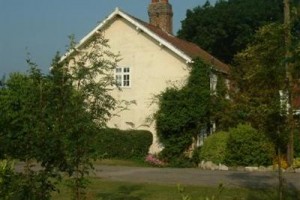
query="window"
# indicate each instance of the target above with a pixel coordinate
(123, 76)
(213, 84)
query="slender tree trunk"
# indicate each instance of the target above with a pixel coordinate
(289, 80)
(280, 177)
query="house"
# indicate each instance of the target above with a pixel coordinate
(151, 60)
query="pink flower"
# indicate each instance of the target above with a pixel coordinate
(151, 159)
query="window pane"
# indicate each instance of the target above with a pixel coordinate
(119, 80)
(126, 81)
(126, 70)
(118, 70)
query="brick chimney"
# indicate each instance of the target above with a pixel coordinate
(161, 15)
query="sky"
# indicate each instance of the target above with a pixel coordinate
(39, 28)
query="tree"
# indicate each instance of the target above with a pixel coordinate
(2, 82)
(227, 27)
(82, 103)
(54, 119)
(260, 76)
(24, 134)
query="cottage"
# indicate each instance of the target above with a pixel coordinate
(151, 60)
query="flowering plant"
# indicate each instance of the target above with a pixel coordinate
(153, 160)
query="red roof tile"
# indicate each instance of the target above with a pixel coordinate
(189, 48)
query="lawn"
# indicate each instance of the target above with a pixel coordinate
(105, 190)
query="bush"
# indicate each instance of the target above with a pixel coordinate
(123, 144)
(181, 162)
(214, 148)
(246, 146)
(8, 180)
(196, 156)
(296, 163)
(297, 143)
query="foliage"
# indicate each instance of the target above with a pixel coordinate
(246, 146)
(25, 134)
(128, 144)
(183, 112)
(83, 105)
(297, 143)
(8, 180)
(260, 77)
(53, 119)
(214, 147)
(2, 82)
(182, 162)
(283, 162)
(221, 105)
(227, 27)
(296, 163)
(196, 156)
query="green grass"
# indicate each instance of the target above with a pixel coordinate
(107, 190)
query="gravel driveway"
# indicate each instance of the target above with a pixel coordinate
(192, 176)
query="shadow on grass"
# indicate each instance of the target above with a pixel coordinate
(124, 192)
(265, 186)
(272, 194)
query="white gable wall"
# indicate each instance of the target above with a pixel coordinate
(153, 68)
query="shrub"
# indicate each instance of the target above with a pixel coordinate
(283, 162)
(214, 147)
(297, 143)
(196, 156)
(246, 146)
(123, 144)
(181, 162)
(296, 163)
(8, 180)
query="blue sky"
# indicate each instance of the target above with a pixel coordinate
(41, 27)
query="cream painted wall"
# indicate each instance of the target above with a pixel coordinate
(153, 68)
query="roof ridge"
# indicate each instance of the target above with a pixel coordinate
(185, 49)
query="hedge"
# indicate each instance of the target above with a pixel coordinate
(123, 144)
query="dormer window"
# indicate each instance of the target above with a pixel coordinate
(122, 75)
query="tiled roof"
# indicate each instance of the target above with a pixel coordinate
(184, 49)
(189, 48)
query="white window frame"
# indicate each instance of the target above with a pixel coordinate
(213, 83)
(123, 77)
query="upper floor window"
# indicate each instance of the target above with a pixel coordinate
(123, 76)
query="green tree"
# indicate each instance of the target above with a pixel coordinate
(83, 104)
(260, 76)
(24, 131)
(227, 27)
(54, 119)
